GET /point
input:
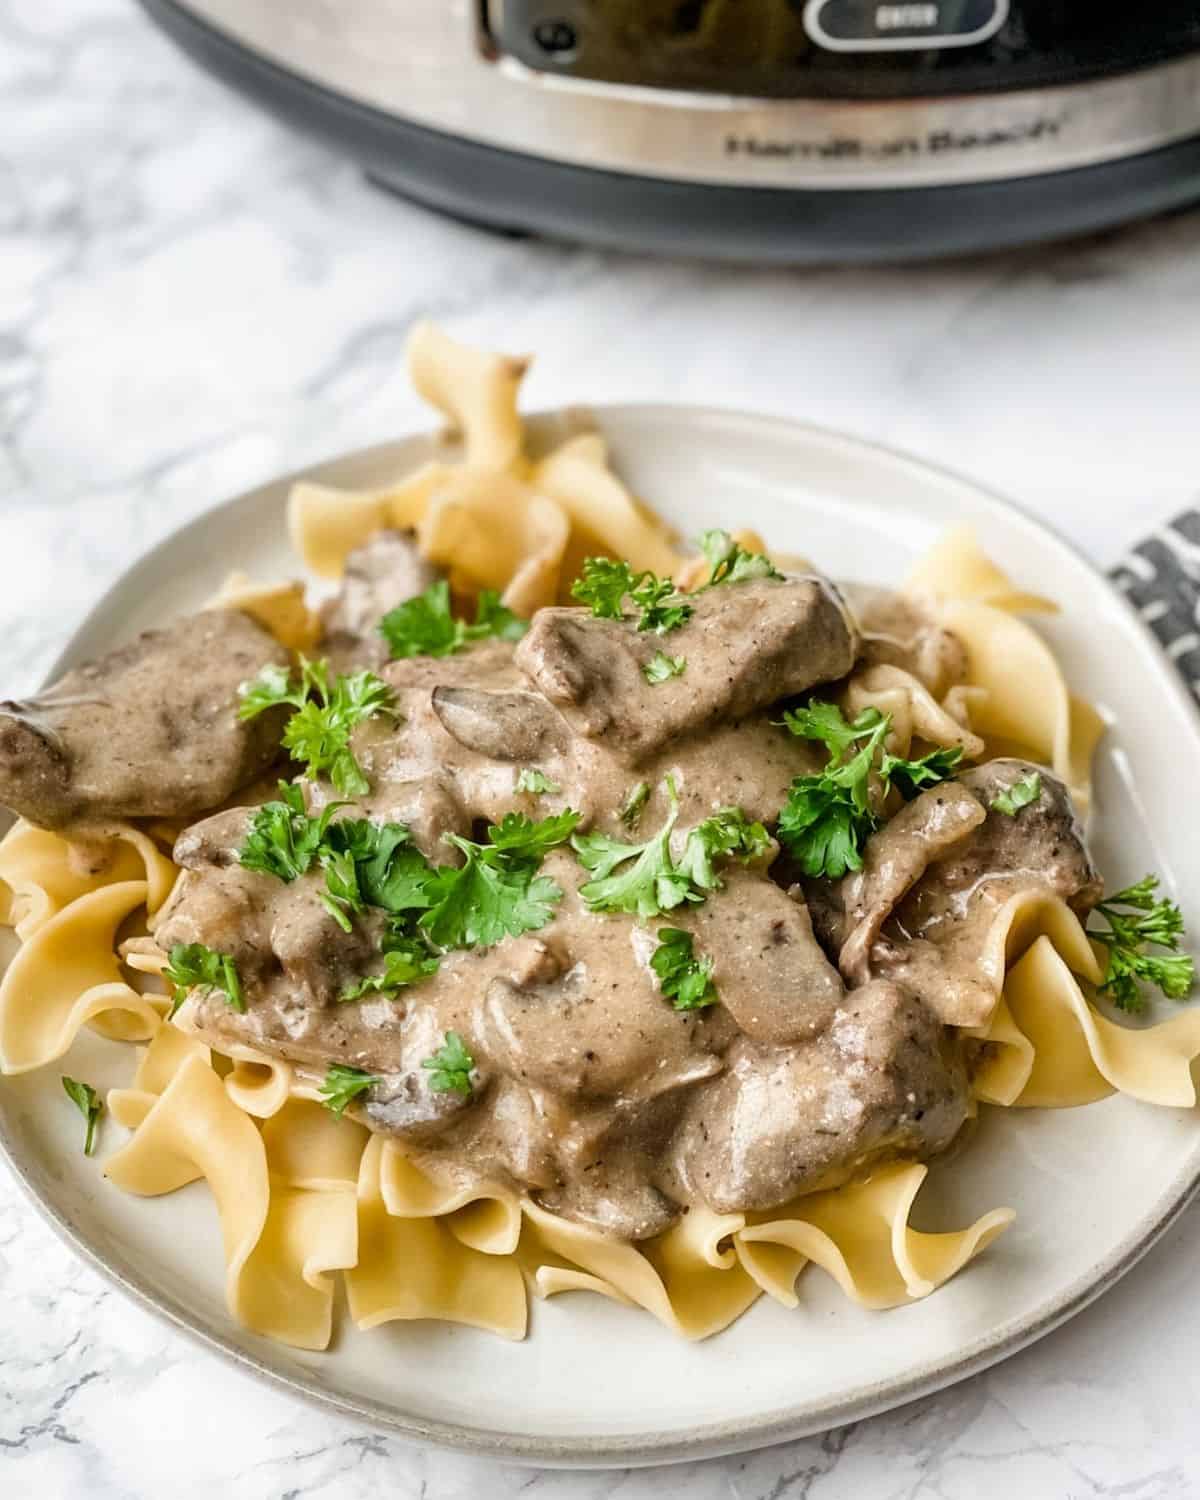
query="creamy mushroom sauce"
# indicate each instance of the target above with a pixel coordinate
(834, 1043)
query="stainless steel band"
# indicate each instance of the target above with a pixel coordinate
(422, 60)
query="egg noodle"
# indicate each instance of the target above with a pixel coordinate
(303, 1196)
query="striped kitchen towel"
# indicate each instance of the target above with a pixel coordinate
(1161, 578)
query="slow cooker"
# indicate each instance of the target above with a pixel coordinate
(785, 130)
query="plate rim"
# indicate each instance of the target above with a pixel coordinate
(708, 1440)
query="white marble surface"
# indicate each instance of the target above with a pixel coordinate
(192, 300)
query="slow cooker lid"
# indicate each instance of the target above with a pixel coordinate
(857, 49)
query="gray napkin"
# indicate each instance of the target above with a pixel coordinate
(1161, 578)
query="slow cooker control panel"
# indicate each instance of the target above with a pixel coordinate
(840, 48)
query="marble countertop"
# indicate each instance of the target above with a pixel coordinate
(192, 300)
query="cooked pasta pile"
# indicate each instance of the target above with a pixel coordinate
(304, 1196)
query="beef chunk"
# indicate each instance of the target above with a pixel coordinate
(936, 940)
(380, 574)
(150, 730)
(779, 1122)
(768, 968)
(746, 646)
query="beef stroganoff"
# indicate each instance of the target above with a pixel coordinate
(556, 905)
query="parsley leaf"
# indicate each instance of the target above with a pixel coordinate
(450, 1067)
(282, 839)
(516, 834)
(193, 965)
(648, 885)
(497, 892)
(727, 834)
(343, 1084)
(495, 619)
(424, 625)
(635, 800)
(663, 609)
(605, 583)
(341, 898)
(273, 686)
(87, 1101)
(406, 960)
(1137, 919)
(318, 733)
(685, 980)
(828, 817)
(652, 881)
(1019, 795)
(910, 776)
(390, 871)
(729, 562)
(660, 667)
(535, 782)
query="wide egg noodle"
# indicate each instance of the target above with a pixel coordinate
(411, 1268)
(957, 566)
(1026, 704)
(494, 531)
(257, 1083)
(475, 390)
(46, 871)
(499, 519)
(604, 517)
(157, 1064)
(916, 714)
(326, 524)
(688, 1278)
(68, 974)
(860, 1234)
(483, 1216)
(310, 1147)
(194, 1130)
(1050, 1048)
(280, 608)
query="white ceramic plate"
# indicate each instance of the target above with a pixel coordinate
(596, 1383)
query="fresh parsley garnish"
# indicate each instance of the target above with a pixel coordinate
(1019, 795)
(87, 1101)
(390, 871)
(685, 980)
(273, 686)
(606, 583)
(341, 898)
(317, 735)
(425, 626)
(635, 800)
(729, 562)
(450, 1067)
(343, 1084)
(282, 839)
(1137, 919)
(828, 817)
(660, 667)
(193, 965)
(406, 960)
(497, 891)
(536, 782)
(911, 777)
(647, 880)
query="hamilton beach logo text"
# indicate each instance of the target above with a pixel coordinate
(933, 143)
